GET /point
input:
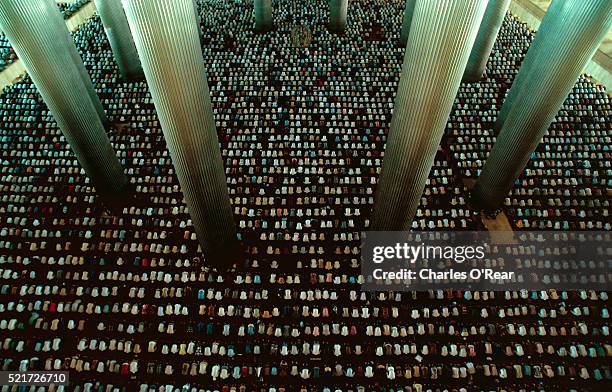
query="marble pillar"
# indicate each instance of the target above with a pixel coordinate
(408, 12)
(167, 40)
(338, 10)
(61, 30)
(487, 34)
(441, 37)
(263, 15)
(120, 38)
(552, 18)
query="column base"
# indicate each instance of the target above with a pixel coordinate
(481, 203)
(135, 77)
(106, 123)
(497, 127)
(264, 29)
(116, 201)
(473, 77)
(336, 29)
(226, 255)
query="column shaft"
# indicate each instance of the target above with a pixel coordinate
(441, 36)
(338, 10)
(408, 12)
(120, 38)
(263, 15)
(61, 30)
(487, 34)
(567, 47)
(551, 18)
(31, 27)
(167, 40)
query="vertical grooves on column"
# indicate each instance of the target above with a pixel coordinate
(408, 12)
(167, 39)
(548, 22)
(441, 36)
(120, 38)
(338, 10)
(567, 46)
(31, 27)
(61, 30)
(487, 33)
(263, 15)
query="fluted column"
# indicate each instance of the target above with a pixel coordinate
(61, 31)
(487, 33)
(441, 36)
(551, 18)
(337, 14)
(263, 15)
(87, 82)
(31, 28)
(120, 38)
(565, 49)
(408, 12)
(167, 40)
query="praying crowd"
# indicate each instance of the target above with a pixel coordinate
(125, 301)
(7, 54)
(69, 8)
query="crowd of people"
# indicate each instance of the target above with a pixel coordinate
(7, 54)
(125, 301)
(70, 8)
